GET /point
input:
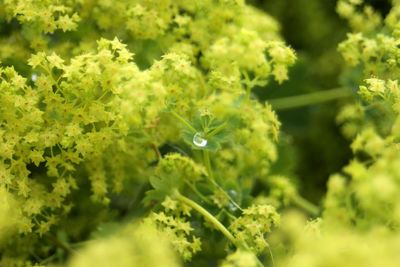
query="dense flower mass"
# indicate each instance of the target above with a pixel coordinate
(133, 133)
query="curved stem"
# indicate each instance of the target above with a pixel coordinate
(215, 222)
(208, 216)
(309, 99)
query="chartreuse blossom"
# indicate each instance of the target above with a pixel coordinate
(129, 247)
(102, 100)
(145, 111)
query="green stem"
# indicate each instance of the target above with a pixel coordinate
(103, 95)
(156, 150)
(209, 217)
(62, 245)
(271, 255)
(183, 121)
(217, 130)
(232, 217)
(48, 259)
(207, 162)
(198, 193)
(215, 222)
(309, 99)
(305, 204)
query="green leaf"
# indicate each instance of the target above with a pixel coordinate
(170, 176)
(213, 132)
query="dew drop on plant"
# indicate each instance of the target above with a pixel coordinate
(34, 77)
(199, 140)
(231, 206)
(232, 193)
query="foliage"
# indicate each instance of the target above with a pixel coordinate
(131, 135)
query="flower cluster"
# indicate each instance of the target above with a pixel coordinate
(92, 127)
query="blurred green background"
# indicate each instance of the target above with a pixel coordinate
(312, 146)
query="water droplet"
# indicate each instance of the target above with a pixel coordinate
(232, 207)
(199, 140)
(234, 195)
(34, 77)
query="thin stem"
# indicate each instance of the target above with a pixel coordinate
(156, 150)
(207, 162)
(48, 259)
(208, 216)
(309, 99)
(217, 130)
(305, 204)
(229, 214)
(272, 255)
(63, 245)
(103, 95)
(185, 122)
(198, 193)
(215, 222)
